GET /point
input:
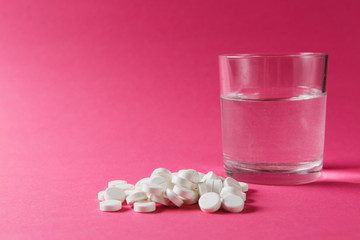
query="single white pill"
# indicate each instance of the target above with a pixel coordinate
(153, 189)
(243, 196)
(163, 172)
(221, 178)
(181, 182)
(101, 195)
(174, 198)
(210, 202)
(189, 174)
(230, 190)
(136, 197)
(192, 200)
(139, 185)
(184, 192)
(159, 180)
(195, 187)
(114, 193)
(217, 186)
(209, 185)
(144, 206)
(171, 185)
(244, 186)
(202, 188)
(160, 199)
(110, 205)
(229, 181)
(201, 175)
(125, 187)
(128, 192)
(116, 182)
(209, 175)
(233, 203)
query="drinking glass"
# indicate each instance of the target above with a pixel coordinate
(273, 116)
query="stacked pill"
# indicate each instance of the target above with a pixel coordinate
(184, 187)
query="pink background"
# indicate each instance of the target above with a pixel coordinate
(92, 91)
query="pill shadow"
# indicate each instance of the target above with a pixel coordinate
(125, 209)
(249, 200)
(191, 207)
(250, 191)
(249, 195)
(159, 209)
(162, 208)
(341, 167)
(334, 185)
(250, 208)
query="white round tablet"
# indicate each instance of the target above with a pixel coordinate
(202, 188)
(159, 180)
(144, 206)
(192, 200)
(136, 197)
(116, 182)
(181, 182)
(128, 192)
(110, 205)
(221, 178)
(174, 198)
(153, 189)
(233, 203)
(217, 186)
(209, 185)
(243, 196)
(160, 199)
(101, 195)
(184, 192)
(244, 186)
(209, 175)
(195, 187)
(163, 172)
(114, 193)
(230, 190)
(210, 202)
(201, 175)
(189, 174)
(125, 187)
(171, 185)
(229, 181)
(140, 183)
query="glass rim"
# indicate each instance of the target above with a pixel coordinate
(291, 54)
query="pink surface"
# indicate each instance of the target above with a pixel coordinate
(92, 91)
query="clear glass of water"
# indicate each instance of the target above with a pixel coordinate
(273, 116)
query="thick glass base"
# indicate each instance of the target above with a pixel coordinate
(274, 173)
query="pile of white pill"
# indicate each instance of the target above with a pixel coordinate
(186, 186)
